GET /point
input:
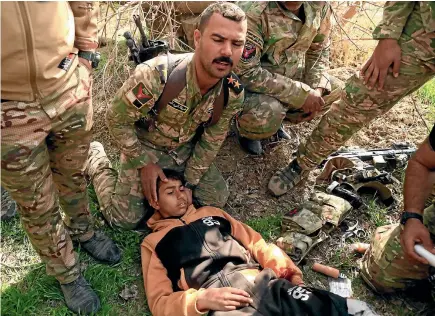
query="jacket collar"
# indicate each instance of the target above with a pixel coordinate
(157, 222)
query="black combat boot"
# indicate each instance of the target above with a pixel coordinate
(8, 206)
(252, 147)
(102, 248)
(80, 297)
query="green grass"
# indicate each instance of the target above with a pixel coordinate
(269, 227)
(427, 95)
(27, 290)
(377, 213)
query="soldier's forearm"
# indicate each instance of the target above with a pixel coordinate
(419, 178)
(417, 187)
(284, 89)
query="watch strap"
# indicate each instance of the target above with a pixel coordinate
(408, 215)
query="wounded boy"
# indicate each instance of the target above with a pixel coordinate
(200, 261)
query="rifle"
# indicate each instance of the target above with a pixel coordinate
(147, 49)
(390, 158)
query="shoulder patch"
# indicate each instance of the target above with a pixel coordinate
(234, 83)
(249, 52)
(139, 95)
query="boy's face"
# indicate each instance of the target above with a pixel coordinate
(173, 200)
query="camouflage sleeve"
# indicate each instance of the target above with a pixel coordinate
(85, 21)
(260, 80)
(394, 19)
(317, 56)
(211, 141)
(132, 102)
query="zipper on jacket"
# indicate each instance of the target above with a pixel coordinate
(30, 49)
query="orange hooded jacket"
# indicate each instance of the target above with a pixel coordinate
(201, 249)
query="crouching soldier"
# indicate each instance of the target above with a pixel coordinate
(173, 112)
(391, 262)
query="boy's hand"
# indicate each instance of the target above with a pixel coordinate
(148, 179)
(222, 299)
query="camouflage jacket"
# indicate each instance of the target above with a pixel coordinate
(398, 15)
(177, 123)
(282, 52)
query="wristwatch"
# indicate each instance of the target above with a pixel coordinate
(94, 58)
(408, 215)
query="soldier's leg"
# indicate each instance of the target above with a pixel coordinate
(120, 195)
(68, 145)
(261, 117)
(26, 174)
(357, 107)
(212, 189)
(385, 268)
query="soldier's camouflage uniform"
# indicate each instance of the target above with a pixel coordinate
(413, 25)
(385, 267)
(169, 144)
(44, 146)
(46, 121)
(284, 58)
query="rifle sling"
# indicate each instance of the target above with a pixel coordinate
(174, 85)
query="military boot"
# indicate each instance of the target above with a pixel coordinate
(102, 248)
(80, 297)
(8, 206)
(287, 178)
(252, 147)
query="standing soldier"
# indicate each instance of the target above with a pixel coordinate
(46, 54)
(183, 132)
(407, 44)
(283, 67)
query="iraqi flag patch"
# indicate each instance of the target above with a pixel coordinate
(139, 95)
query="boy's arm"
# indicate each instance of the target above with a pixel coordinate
(267, 255)
(162, 300)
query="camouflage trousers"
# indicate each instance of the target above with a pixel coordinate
(121, 197)
(358, 105)
(44, 147)
(385, 267)
(262, 115)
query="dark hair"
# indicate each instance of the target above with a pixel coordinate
(170, 175)
(226, 9)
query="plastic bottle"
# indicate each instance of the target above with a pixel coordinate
(422, 252)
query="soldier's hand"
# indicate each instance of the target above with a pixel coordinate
(148, 179)
(413, 233)
(375, 70)
(222, 299)
(313, 105)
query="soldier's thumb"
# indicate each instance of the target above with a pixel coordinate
(396, 67)
(428, 245)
